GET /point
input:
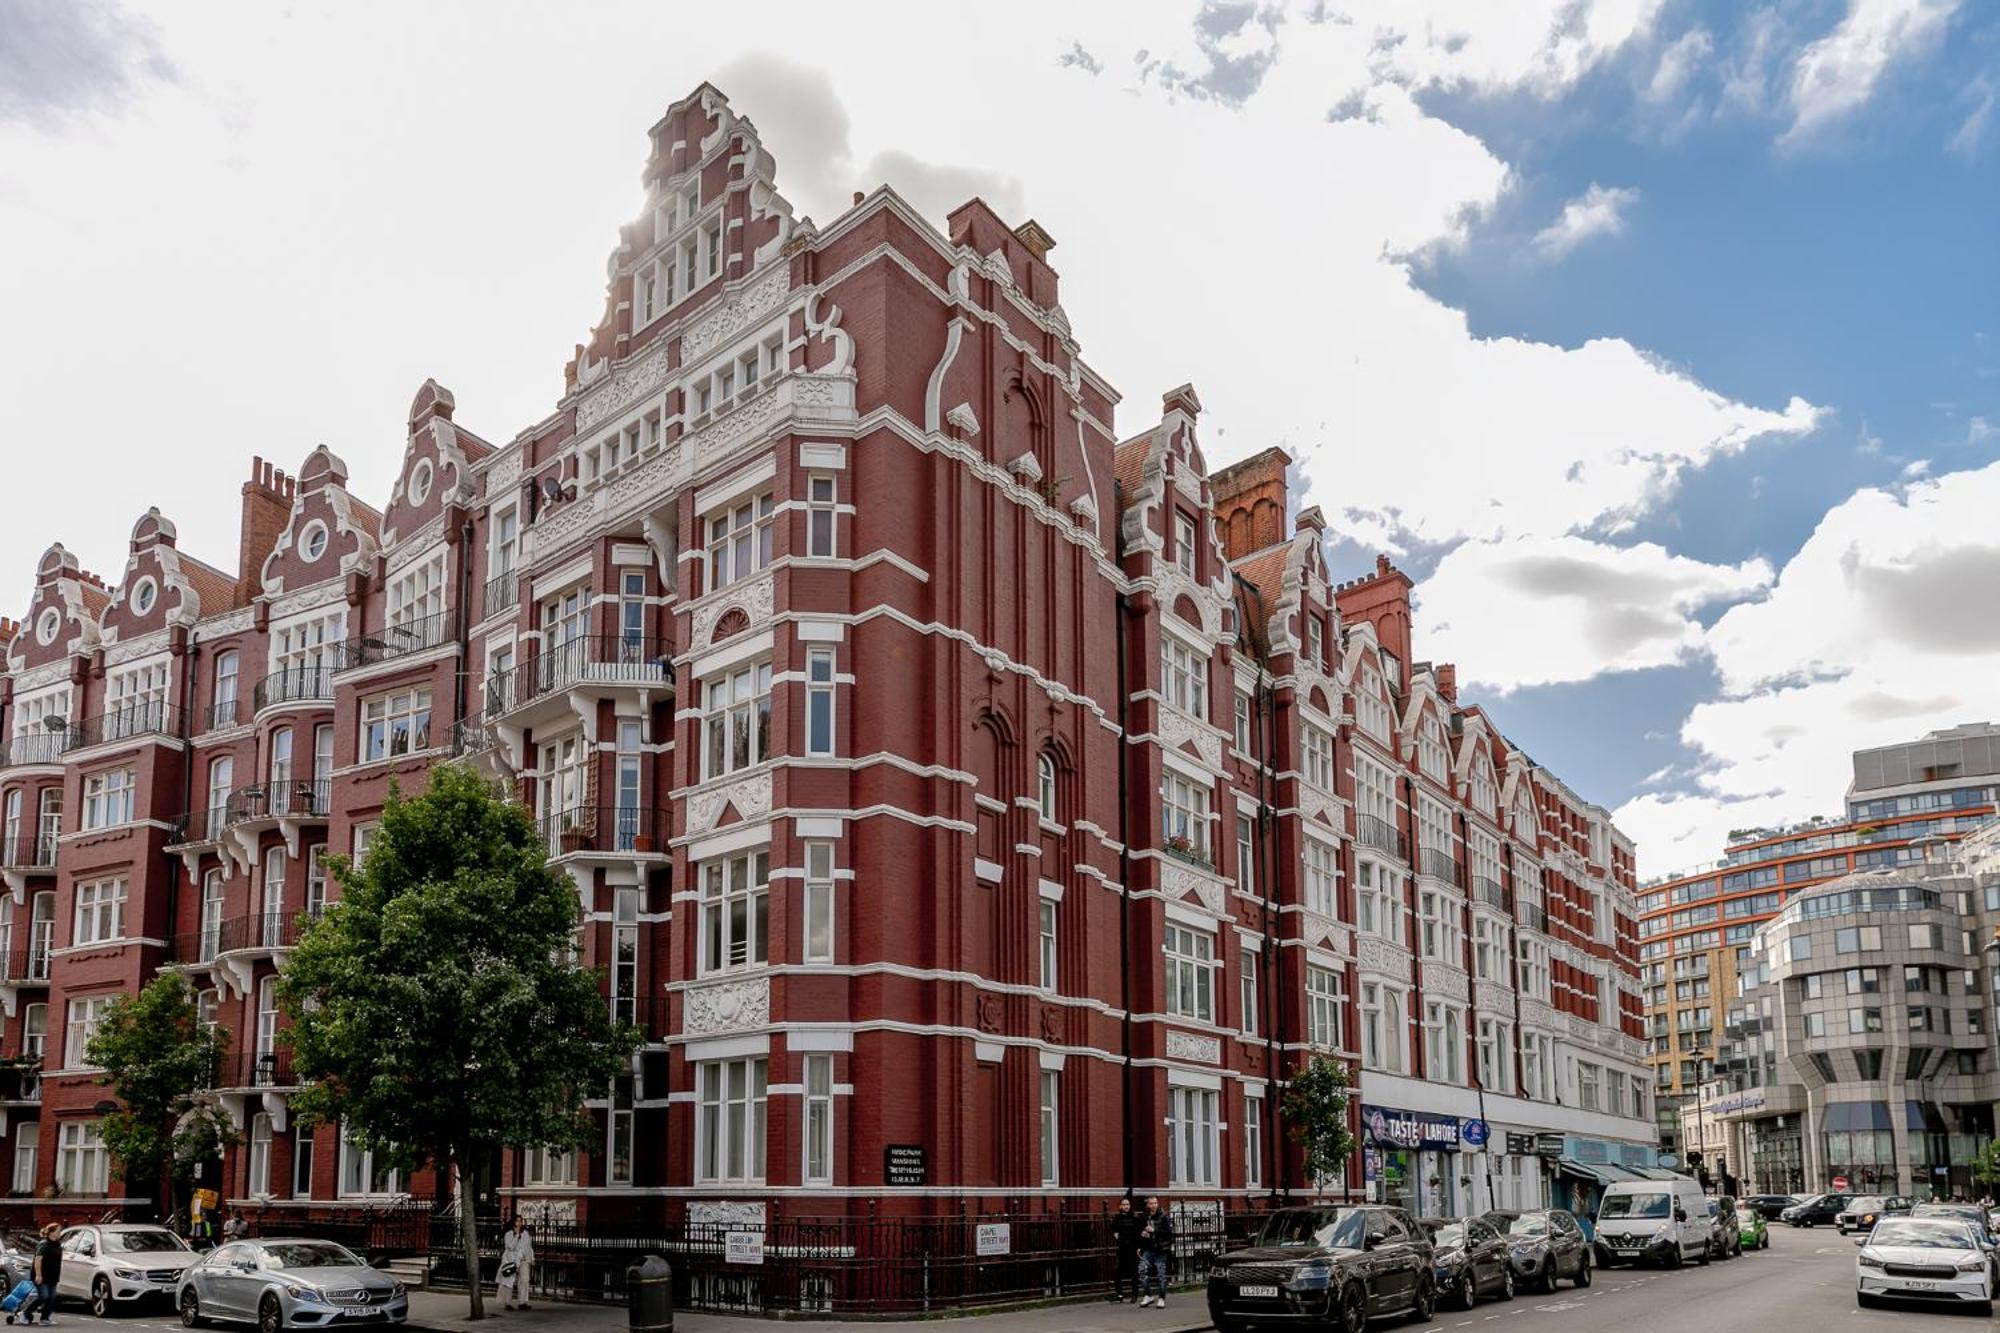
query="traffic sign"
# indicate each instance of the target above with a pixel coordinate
(1839, 1183)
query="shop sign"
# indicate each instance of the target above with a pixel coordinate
(1475, 1133)
(1548, 1145)
(1520, 1145)
(1409, 1129)
(1736, 1105)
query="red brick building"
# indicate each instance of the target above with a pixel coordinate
(971, 796)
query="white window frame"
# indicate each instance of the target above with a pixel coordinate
(1190, 972)
(395, 724)
(1326, 1006)
(736, 708)
(817, 1083)
(99, 916)
(737, 885)
(731, 1120)
(110, 798)
(1193, 1137)
(83, 1163)
(1051, 1127)
(739, 539)
(820, 737)
(820, 879)
(1322, 879)
(1184, 676)
(85, 1013)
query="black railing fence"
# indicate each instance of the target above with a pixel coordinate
(838, 1264)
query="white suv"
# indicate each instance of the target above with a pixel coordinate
(112, 1263)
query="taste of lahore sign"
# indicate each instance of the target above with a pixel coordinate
(1409, 1129)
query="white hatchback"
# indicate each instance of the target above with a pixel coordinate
(1933, 1259)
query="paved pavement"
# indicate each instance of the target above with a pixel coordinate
(1803, 1284)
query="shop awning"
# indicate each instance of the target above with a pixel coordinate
(1595, 1175)
(1856, 1117)
(1924, 1117)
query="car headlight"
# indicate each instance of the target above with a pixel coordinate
(299, 1293)
(396, 1290)
(1662, 1231)
(1868, 1260)
(125, 1274)
(1316, 1276)
(1973, 1265)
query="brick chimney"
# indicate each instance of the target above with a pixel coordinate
(267, 506)
(1446, 675)
(1250, 502)
(1383, 600)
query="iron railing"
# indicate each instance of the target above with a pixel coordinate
(1487, 890)
(503, 593)
(603, 828)
(203, 825)
(35, 747)
(257, 1069)
(592, 659)
(838, 1265)
(297, 684)
(1439, 864)
(222, 713)
(1533, 915)
(29, 851)
(472, 735)
(239, 934)
(21, 1082)
(134, 721)
(416, 635)
(1383, 836)
(29, 966)
(281, 798)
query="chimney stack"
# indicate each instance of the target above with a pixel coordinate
(267, 507)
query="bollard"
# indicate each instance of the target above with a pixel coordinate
(649, 1296)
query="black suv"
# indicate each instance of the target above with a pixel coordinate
(1327, 1266)
(1816, 1211)
(1544, 1244)
(1769, 1206)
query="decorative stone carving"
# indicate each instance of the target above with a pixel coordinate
(505, 473)
(726, 1214)
(1026, 466)
(1446, 980)
(1492, 998)
(727, 1006)
(962, 418)
(1051, 1023)
(624, 387)
(756, 598)
(762, 297)
(988, 1009)
(1537, 1014)
(1178, 729)
(1177, 880)
(750, 796)
(1380, 956)
(1193, 1046)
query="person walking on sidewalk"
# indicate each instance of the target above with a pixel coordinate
(1125, 1228)
(47, 1271)
(517, 1256)
(1156, 1248)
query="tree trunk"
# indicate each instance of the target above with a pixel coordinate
(468, 1233)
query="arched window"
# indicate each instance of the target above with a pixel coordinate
(1045, 790)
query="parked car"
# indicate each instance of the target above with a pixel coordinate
(1543, 1245)
(1861, 1214)
(1937, 1258)
(1769, 1206)
(1727, 1240)
(1656, 1221)
(1469, 1259)
(1752, 1232)
(111, 1264)
(1970, 1213)
(17, 1257)
(1339, 1265)
(280, 1284)
(1816, 1211)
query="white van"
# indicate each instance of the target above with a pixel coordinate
(1661, 1221)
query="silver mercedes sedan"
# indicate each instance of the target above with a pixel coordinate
(279, 1284)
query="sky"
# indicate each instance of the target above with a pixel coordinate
(1656, 339)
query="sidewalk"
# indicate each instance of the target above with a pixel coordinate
(445, 1310)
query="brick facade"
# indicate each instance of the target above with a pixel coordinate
(936, 767)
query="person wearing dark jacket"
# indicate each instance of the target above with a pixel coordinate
(1156, 1248)
(1125, 1228)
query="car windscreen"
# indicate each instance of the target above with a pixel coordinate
(1331, 1227)
(1446, 1233)
(1528, 1224)
(1636, 1205)
(1923, 1234)
(1866, 1204)
(148, 1241)
(308, 1254)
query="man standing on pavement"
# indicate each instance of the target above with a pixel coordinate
(47, 1271)
(1125, 1227)
(1156, 1247)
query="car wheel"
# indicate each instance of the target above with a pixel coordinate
(100, 1298)
(270, 1316)
(1547, 1280)
(1353, 1308)
(1703, 1261)
(1507, 1283)
(1427, 1299)
(191, 1316)
(1764, 1241)
(1583, 1271)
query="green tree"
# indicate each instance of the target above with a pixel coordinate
(437, 1011)
(1315, 1107)
(1986, 1164)
(161, 1062)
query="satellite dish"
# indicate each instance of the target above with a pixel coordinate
(552, 489)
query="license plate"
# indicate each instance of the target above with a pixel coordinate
(1265, 1290)
(1918, 1286)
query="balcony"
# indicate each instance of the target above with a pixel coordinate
(1383, 836)
(605, 831)
(43, 747)
(222, 714)
(245, 1071)
(1533, 915)
(295, 684)
(25, 967)
(503, 593)
(568, 676)
(29, 852)
(402, 639)
(232, 947)
(1442, 865)
(1487, 890)
(21, 1081)
(131, 722)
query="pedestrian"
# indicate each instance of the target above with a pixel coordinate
(517, 1256)
(1156, 1247)
(235, 1227)
(46, 1271)
(1125, 1228)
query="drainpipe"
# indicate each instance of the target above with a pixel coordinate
(1125, 880)
(464, 621)
(190, 659)
(1268, 982)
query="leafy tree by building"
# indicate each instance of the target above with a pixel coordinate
(1315, 1109)
(162, 1063)
(438, 1013)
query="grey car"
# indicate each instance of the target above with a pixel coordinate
(289, 1283)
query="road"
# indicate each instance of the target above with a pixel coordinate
(1805, 1281)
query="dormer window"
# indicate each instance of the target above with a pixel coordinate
(312, 542)
(1184, 544)
(1371, 710)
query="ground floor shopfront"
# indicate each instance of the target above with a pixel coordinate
(1792, 1140)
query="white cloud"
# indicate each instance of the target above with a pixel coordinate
(1970, 135)
(1836, 75)
(1539, 46)
(1678, 65)
(1598, 211)
(1885, 625)
(1593, 608)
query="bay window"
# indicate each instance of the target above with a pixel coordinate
(1325, 1001)
(395, 724)
(1190, 958)
(737, 718)
(735, 911)
(739, 540)
(729, 1121)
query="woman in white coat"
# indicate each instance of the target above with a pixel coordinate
(517, 1257)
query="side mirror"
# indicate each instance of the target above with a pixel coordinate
(1373, 1239)
(1680, 1215)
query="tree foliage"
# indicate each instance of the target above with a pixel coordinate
(162, 1063)
(437, 1011)
(1986, 1164)
(1315, 1107)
